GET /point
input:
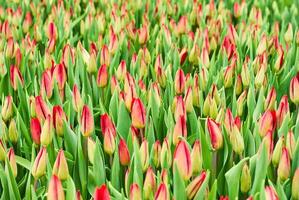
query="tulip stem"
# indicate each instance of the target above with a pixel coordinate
(214, 165)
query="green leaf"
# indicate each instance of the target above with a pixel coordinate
(123, 120)
(99, 165)
(178, 185)
(23, 162)
(115, 171)
(70, 189)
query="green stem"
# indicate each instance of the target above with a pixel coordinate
(214, 166)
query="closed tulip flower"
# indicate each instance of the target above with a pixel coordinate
(60, 168)
(86, 121)
(138, 114)
(182, 160)
(55, 189)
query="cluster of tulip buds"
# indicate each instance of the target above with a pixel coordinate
(149, 100)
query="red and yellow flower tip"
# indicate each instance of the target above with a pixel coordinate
(135, 193)
(86, 121)
(105, 56)
(102, 78)
(295, 183)
(107, 124)
(282, 111)
(12, 162)
(195, 185)
(7, 110)
(35, 129)
(41, 109)
(182, 160)
(155, 154)
(55, 189)
(77, 100)
(215, 134)
(284, 167)
(123, 153)
(58, 119)
(180, 129)
(16, 77)
(270, 193)
(149, 185)
(267, 122)
(144, 155)
(138, 114)
(101, 193)
(40, 163)
(60, 168)
(47, 131)
(109, 142)
(47, 86)
(162, 192)
(270, 99)
(294, 89)
(196, 157)
(179, 82)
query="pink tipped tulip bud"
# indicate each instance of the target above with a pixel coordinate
(180, 129)
(135, 193)
(166, 157)
(267, 122)
(40, 164)
(46, 85)
(58, 119)
(16, 77)
(271, 193)
(144, 155)
(179, 82)
(77, 100)
(156, 153)
(86, 121)
(149, 185)
(291, 143)
(7, 111)
(284, 167)
(12, 162)
(105, 56)
(102, 78)
(123, 152)
(277, 151)
(47, 132)
(215, 134)
(36, 130)
(138, 114)
(41, 109)
(107, 125)
(182, 160)
(60, 168)
(55, 189)
(294, 89)
(283, 110)
(295, 183)
(195, 185)
(109, 143)
(270, 100)
(162, 192)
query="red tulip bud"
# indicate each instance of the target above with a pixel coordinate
(15, 77)
(291, 143)
(105, 57)
(271, 193)
(267, 122)
(107, 125)
(183, 55)
(12, 161)
(182, 160)
(101, 193)
(215, 134)
(135, 193)
(284, 167)
(77, 100)
(60, 168)
(52, 31)
(143, 34)
(270, 100)
(180, 129)
(294, 89)
(55, 189)
(179, 82)
(162, 192)
(195, 185)
(58, 118)
(40, 164)
(181, 27)
(60, 75)
(41, 109)
(121, 70)
(179, 106)
(138, 114)
(35, 129)
(86, 121)
(109, 142)
(123, 152)
(282, 110)
(102, 78)
(46, 84)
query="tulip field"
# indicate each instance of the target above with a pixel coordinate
(149, 99)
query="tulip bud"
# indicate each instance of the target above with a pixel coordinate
(179, 82)
(121, 70)
(68, 56)
(144, 155)
(284, 167)
(288, 36)
(41, 109)
(279, 60)
(196, 157)
(282, 110)
(40, 164)
(109, 143)
(155, 154)
(7, 111)
(86, 121)
(123, 152)
(55, 189)
(143, 35)
(194, 54)
(267, 122)
(181, 27)
(12, 131)
(188, 99)
(179, 108)
(237, 140)
(277, 151)
(245, 179)
(228, 76)
(12, 162)
(105, 57)
(166, 157)
(271, 193)
(294, 89)
(91, 148)
(262, 45)
(183, 55)
(2, 151)
(291, 143)
(149, 185)
(135, 193)
(215, 134)
(15, 77)
(180, 129)
(195, 185)
(270, 100)
(210, 107)
(77, 100)
(107, 125)
(182, 160)
(295, 183)
(101, 193)
(60, 75)
(245, 75)
(102, 78)
(58, 119)
(60, 168)
(162, 192)
(46, 85)
(138, 114)
(47, 132)
(238, 85)
(9, 48)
